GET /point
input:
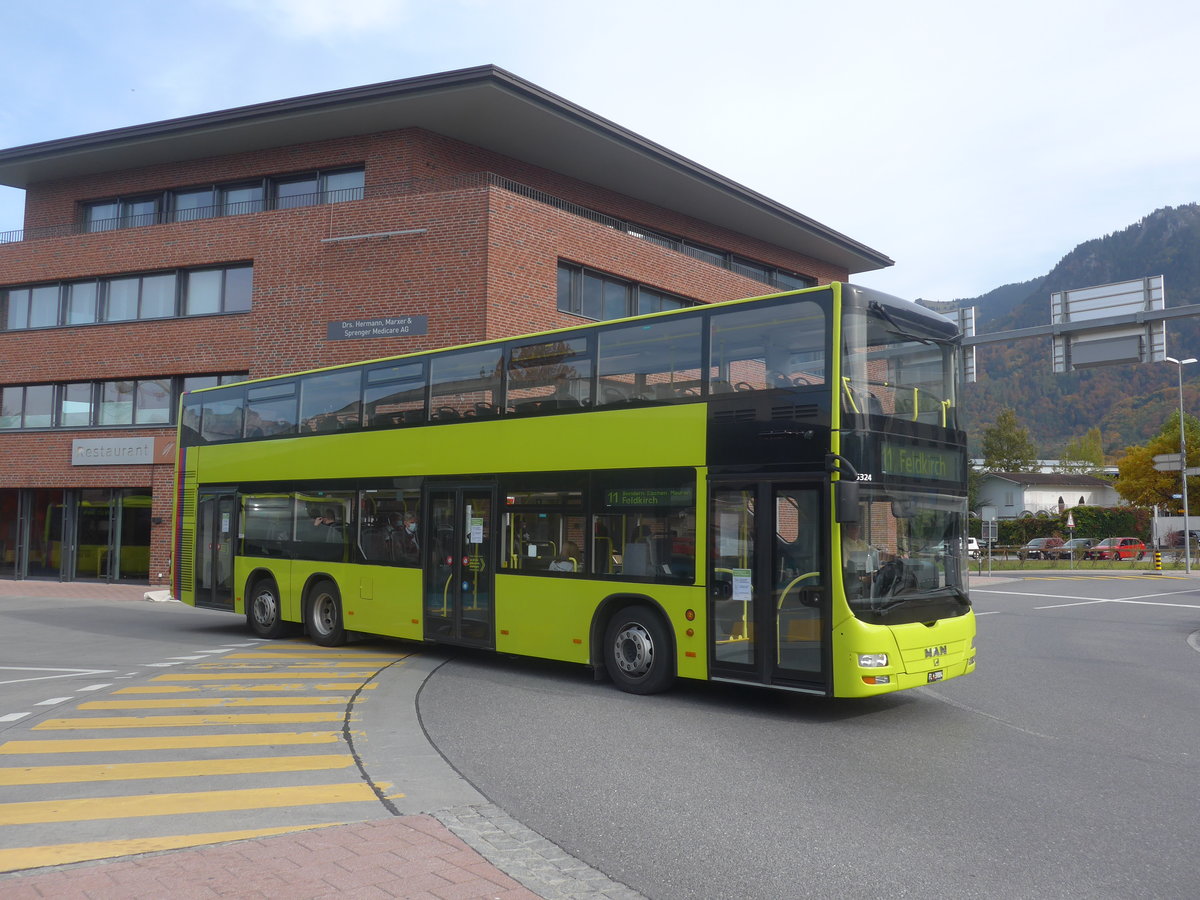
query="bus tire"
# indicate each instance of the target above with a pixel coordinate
(325, 615)
(264, 614)
(637, 651)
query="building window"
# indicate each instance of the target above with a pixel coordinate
(748, 268)
(38, 406)
(239, 199)
(81, 302)
(75, 404)
(209, 291)
(12, 407)
(109, 215)
(233, 199)
(293, 192)
(146, 401)
(187, 206)
(127, 298)
(595, 295)
(338, 187)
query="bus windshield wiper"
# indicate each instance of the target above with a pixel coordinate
(901, 331)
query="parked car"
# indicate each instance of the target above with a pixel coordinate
(1174, 539)
(1117, 548)
(973, 547)
(1073, 547)
(1039, 548)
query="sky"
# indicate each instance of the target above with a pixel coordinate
(974, 144)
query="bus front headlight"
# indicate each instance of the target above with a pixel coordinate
(872, 660)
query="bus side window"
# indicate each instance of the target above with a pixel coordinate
(329, 401)
(394, 395)
(548, 377)
(657, 362)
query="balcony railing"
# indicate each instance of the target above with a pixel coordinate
(474, 180)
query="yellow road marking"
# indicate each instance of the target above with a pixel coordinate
(170, 769)
(188, 721)
(233, 676)
(201, 702)
(137, 805)
(297, 686)
(60, 854)
(186, 742)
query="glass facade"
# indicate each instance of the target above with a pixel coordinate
(93, 534)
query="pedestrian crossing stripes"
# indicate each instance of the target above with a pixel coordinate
(169, 769)
(84, 809)
(205, 702)
(261, 736)
(185, 742)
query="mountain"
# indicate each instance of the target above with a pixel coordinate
(1129, 403)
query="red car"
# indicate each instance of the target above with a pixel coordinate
(1116, 548)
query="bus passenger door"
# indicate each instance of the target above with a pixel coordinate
(216, 531)
(459, 529)
(768, 595)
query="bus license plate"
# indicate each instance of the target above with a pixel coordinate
(937, 675)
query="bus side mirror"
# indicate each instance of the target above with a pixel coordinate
(846, 498)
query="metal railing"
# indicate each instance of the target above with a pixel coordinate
(469, 181)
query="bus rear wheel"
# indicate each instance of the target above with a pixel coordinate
(637, 651)
(325, 615)
(263, 612)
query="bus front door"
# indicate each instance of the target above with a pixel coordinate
(769, 597)
(458, 564)
(216, 528)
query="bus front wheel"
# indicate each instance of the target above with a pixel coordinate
(637, 651)
(263, 613)
(325, 615)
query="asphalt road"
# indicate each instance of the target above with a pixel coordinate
(1068, 765)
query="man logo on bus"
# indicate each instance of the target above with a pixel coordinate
(934, 652)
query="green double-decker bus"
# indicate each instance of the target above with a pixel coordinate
(769, 491)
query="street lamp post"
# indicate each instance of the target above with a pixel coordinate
(1187, 533)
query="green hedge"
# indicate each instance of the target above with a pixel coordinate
(1097, 522)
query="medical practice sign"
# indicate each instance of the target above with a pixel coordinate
(383, 327)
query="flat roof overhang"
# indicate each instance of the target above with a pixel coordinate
(485, 106)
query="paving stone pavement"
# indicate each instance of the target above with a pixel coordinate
(537, 863)
(454, 854)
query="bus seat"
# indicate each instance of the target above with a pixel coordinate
(373, 544)
(636, 559)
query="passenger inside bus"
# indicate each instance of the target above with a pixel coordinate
(568, 558)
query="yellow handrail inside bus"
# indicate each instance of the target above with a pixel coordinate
(849, 392)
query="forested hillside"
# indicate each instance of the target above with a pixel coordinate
(1128, 403)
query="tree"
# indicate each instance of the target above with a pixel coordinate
(1139, 482)
(1007, 447)
(1085, 455)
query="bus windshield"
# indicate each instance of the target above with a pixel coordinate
(905, 560)
(897, 366)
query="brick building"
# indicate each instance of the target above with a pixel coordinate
(323, 229)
